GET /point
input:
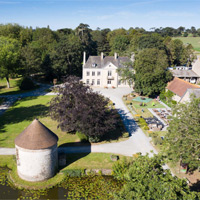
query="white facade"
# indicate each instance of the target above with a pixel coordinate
(104, 76)
(36, 165)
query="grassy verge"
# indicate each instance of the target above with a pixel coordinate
(19, 183)
(13, 86)
(91, 160)
(74, 161)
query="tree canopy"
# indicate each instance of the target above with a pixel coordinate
(182, 140)
(146, 179)
(78, 108)
(9, 54)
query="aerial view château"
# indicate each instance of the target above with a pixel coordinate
(100, 100)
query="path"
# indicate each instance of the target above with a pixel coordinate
(10, 99)
(137, 142)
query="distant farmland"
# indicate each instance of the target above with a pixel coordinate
(194, 41)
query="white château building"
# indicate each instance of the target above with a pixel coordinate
(100, 71)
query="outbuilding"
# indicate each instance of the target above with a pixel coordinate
(36, 152)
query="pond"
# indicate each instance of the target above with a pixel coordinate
(87, 187)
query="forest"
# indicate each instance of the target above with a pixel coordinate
(55, 54)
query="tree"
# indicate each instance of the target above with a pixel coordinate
(146, 179)
(30, 59)
(151, 75)
(9, 54)
(66, 56)
(78, 109)
(183, 136)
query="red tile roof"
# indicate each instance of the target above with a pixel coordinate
(179, 86)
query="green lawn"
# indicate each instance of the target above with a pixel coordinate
(22, 113)
(138, 109)
(13, 86)
(194, 41)
(91, 160)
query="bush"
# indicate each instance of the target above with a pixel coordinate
(94, 139)
(157, 141)
(142, 122)
(26, 84)
(120, 168)
(125, 135)
(73, 172)
(82, 137)
(146, 128)
(174, 102)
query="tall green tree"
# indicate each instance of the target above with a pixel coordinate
(66, 57)
(183, 136)
(9, 55)
(151, 75)
(31, 60)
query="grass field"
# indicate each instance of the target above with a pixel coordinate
(194, 41)
(22, 113)
(13, 86)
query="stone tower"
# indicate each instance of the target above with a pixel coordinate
(36, 152)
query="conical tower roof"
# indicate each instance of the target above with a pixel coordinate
(36, 136)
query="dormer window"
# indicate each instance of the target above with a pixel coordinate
(94, 64)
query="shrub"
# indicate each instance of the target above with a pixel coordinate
(73, 172)
(174, 102)
(82, 137)
(125, 135)
(26, 84)
(114, 157)
(94, 139)
(157, 141)
(120, 168)
(146, 128)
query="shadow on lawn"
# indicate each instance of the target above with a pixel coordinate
(17, 115)
(73, 151)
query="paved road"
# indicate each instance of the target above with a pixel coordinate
(137, 142)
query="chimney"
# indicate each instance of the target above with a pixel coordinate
(84, 58)
(115, 55)
(101, 55)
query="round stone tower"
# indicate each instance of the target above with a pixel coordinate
(36, 152)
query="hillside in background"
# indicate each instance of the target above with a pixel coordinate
(194, 41)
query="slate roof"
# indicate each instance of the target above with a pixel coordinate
(100, 63)
(179, 86)
(36, 136)
(185, 73)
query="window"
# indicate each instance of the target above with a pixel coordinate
(93, 73)
(88, 81)
(109, 73)
(98, 73)
(87, 73)
(93, 81)
(109, 82)
(98, 81)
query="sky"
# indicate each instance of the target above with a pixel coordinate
(111, 14)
